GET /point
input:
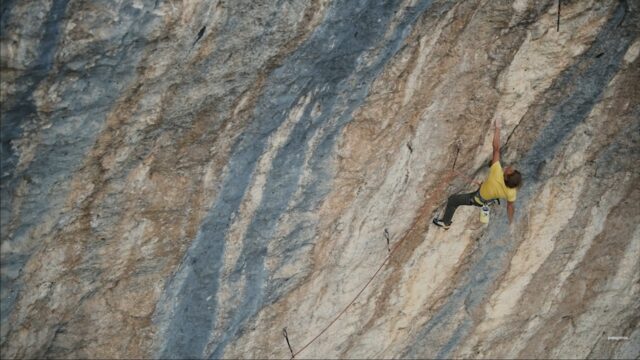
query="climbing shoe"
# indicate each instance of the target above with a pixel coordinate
(440, 223)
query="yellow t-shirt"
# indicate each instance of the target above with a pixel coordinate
(494, 187)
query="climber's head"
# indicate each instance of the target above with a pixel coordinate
(512, 177)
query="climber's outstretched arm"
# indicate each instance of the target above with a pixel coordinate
(496, 143)
(511, 209)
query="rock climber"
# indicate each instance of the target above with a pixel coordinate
(500, 184)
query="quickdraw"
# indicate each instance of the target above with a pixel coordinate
(286, 337)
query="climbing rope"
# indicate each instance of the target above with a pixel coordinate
(450, 175)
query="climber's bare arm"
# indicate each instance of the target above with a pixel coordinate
(496, 143)
(511, 209)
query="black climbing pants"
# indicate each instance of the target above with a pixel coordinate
(455, 201)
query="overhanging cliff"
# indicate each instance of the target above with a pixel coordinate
(184, 179)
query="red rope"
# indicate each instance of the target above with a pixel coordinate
(447, 179)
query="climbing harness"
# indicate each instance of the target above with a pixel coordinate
(482, 201)
(484, 206)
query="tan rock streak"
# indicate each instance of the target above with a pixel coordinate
(183, 179)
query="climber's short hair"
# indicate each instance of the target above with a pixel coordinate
(513, 180)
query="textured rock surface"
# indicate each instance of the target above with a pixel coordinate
(184, 179)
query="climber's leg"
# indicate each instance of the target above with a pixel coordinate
(453, 203)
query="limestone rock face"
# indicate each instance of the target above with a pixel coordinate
(184, 179)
